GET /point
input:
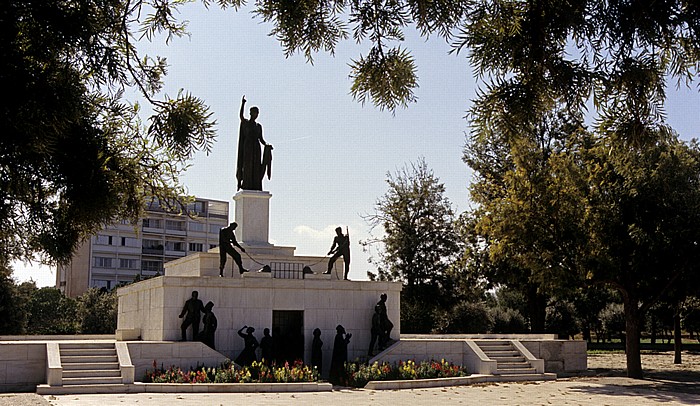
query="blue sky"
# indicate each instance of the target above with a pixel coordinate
(332, 154)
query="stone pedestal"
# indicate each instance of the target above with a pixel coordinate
(253, 217)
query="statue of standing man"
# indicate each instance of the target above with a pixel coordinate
(251, 164)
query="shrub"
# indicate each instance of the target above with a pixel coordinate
(97, 311)
(507, 321)
(466, 317)
(561, 319)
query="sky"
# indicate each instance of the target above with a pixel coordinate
(331, 154)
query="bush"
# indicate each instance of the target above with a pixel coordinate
(507, 321)
(561, 319)
(51, 312)
(466, 317)
(612, 318)
(416, 317)
(97, 311)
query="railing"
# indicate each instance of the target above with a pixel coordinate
(152, 250)
(287, 270)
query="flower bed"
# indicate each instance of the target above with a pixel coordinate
(228, 372)
(358, 374)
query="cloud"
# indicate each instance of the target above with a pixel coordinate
(327, 233)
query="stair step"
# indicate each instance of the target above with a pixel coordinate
(502, 354)
(515, 371)
(495, 346)
(70, 359)
(88, 351)
(93, 381)
(87, 373)
(83, 366)
(513, 365)
(84, 345)
(513, 358)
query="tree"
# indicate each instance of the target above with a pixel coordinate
(97, 311)
(74, 154)
(419, 242)
(13, 303)
(644, 217)
(529, 193)
(51, 312)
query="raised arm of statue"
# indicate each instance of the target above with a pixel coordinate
(242, 108)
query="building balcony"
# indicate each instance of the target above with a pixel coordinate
(152, 251)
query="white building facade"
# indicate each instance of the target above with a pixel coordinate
(125, 252)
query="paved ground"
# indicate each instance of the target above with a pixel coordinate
(606, 385)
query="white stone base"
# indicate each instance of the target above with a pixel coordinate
(152, 307)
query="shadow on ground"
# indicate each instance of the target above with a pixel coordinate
(682, 387)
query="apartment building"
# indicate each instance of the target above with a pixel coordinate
(123, 251)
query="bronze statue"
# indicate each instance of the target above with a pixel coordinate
(375, 330)
(385, 324)
(247, 356)
(316, 351)
(227, 240)
(250, 170)
(267, 347)
(209, 326)
(340, 247)
(340, 355)
(193, 309)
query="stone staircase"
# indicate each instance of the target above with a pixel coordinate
(87, 367)
(89, 364)
(511, 362)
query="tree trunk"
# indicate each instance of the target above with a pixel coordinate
(537, 309)
(632, 331)
(677, 339)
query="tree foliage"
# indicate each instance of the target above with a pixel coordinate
(418, 242)
(74, 153)
(97, 311)
(51, 312)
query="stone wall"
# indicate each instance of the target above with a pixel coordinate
(184, 355)
(560, 356)
(23, 365)
(150, 308)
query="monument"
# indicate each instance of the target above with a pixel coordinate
(291, 295)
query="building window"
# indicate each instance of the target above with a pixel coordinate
(152, 223)
(218, 210)
(151, 266)
(126, 263)
(104, 239)
(103, 262)
(174, 246)
(152, 246)
(196, 226)
(211, 246)
(196, 247)
(98, 283)
(175, 225)
(196, 207)
(214, 228)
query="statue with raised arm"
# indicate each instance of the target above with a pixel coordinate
(340, 247)
(251, 164)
